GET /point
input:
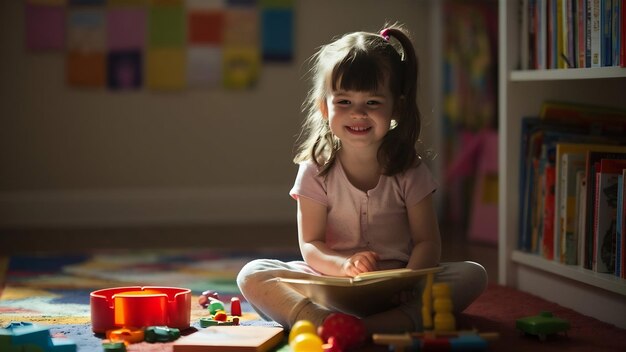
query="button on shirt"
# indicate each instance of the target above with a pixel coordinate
(374, 220)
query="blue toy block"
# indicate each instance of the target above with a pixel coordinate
(25, 336)
(467, 343)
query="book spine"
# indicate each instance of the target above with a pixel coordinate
(595, 34)
(561, 36)
(581, 217)
(618, 225)
(524, 33)
(623, 33)
(581, 32)
(548, 214)
(594, 234)
(606, 26)
(622, 238)
(542, 40)
(561, 217)
(615, 32)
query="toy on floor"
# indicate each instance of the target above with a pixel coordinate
(346, 330)
(211, 301)
(139, 307)
(113, 346)
(161, 334)
(25, 336)
(126, 335)
(439, 323)
(339, 332)
(542, 325)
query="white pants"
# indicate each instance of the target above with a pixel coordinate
(278, 301)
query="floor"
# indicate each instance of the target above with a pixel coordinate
(245, 236)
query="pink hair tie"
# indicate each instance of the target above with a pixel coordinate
(385, 34)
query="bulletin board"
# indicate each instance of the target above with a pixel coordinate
(161, 44)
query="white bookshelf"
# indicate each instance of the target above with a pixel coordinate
(569, 74)
(521, 93)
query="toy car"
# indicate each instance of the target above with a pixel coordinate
(161, 334)
(542, 325)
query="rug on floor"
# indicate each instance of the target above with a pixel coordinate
(53, 290)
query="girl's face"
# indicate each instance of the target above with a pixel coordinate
(360, 119)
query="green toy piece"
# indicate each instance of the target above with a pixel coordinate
(114, 347)
(542, 325)
(161, 334)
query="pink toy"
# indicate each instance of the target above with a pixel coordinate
(138, 306)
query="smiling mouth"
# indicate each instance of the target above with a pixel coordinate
(358, 129)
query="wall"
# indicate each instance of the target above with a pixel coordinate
(71, 157)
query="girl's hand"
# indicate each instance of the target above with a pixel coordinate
(360, 262)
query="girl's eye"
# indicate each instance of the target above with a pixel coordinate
(373, 102)
(343, 102)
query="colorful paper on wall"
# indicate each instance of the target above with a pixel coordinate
(204, 4)
(241, 3)
(176, 3)
(122, 3)
(241, 27)
(126, 28)
(165, 68)
(86, 31)
(124, 70)
(87, 2)
(166, 26)
(47, 2)
(205, 27)
(86, 69)
(45, 27)
(277, 34)
(204, 66)
(241, 67)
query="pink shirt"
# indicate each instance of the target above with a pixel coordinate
(374, 220)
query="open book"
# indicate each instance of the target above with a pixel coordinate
(362, 295)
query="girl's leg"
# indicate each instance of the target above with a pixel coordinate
(274, 300)
(467, 281)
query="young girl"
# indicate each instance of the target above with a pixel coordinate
(364, 196)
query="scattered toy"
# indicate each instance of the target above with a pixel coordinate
(161, 334)
(542, 325)
(235, 307)
(26, 336)
(306, 342)
(126, 335)
(348, 331)
(138, 306)
(113, 346)
(300, 327)
(203, 299)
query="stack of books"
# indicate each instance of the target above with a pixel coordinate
(572, 194)
(572, 34)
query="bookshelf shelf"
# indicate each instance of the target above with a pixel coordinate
(568, 74)
(520, 94)
(605, 281)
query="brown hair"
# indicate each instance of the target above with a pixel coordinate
(361, 61)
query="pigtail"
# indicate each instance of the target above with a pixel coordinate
(398, 150)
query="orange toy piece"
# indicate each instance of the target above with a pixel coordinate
(138, 306)
(126, 335)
